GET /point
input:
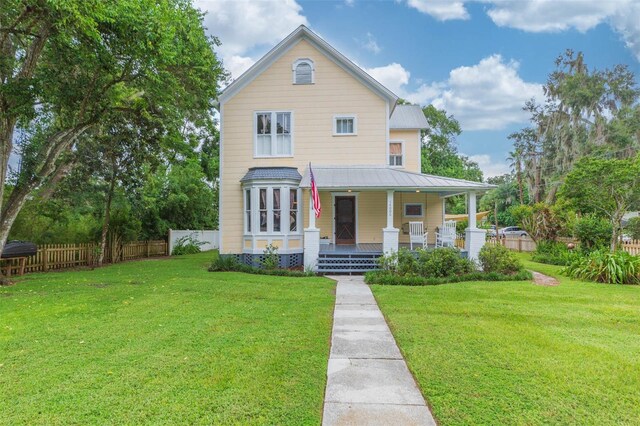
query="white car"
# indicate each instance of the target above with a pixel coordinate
(512, 231)
(626, 238)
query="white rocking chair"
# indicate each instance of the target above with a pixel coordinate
(417, 234)
(447, 235)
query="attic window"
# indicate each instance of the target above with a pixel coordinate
(303, 71)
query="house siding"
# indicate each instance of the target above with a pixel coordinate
(411, 148)
(313, 106)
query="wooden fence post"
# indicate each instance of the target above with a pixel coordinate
(519, 244)
(45, 259)
(147, 248)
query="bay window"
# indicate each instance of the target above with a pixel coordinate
(274, 204)
(273, 134)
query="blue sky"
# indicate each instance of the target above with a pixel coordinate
(480, 60)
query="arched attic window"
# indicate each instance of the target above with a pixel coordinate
(303, 71)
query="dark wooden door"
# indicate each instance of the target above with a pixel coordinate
(345, 220)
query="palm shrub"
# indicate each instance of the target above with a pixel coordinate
(186, 245)
(604, 266)
(499, 259)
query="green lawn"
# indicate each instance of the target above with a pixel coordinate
(164, 341)
(517, 353)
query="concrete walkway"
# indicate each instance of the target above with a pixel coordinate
(368, 382)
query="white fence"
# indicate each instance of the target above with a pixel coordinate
(211, 239)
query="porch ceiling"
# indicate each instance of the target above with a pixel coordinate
(381, 177)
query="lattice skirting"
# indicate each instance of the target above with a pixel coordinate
(289, 260)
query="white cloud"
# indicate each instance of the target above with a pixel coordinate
(489, 167)
(548, 15)
(486, 96)
(489, 95)
(350, 3)
(393, 76)
(242, 25)
(236, 65)
(370, 43)
(442, 10)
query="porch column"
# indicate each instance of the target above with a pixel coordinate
(474, 237)
(390, 234)
(311, 240)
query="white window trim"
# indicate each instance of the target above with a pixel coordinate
(273, 121)
(284, 188)
(404, 209)
(404, 157)
(303, 61)
(354, 117)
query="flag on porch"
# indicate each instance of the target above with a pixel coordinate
(314, 194)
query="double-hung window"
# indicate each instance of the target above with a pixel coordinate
(273, 134)
(395, 154)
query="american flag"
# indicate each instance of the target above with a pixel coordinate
(314, 194)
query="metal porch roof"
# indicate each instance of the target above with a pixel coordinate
(381, 177)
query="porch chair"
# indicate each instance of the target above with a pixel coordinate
(417, 234)
(447, 235)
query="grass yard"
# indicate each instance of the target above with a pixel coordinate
(517, 353)
(164, 341)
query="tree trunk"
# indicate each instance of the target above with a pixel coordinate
(107, 215)
(520, 189)
(55, 147)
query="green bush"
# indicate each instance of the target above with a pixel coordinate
(429, 263)
(603, 266)
(388, 278)
(186, 245)
(229, 263)
(443, 262)
(499, 259)
(553, 253)
(633, 228)
(594, 233)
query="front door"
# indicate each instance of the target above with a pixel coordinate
(345, 220)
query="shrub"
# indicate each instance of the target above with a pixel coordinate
(401, 262)
(633, 228)
(594, 233)
(462, 226)
(225, 263)
(443, 262)
(229, 263)
(387, 278)
(553, 253)
(499, 259)
(603, 266)
(271, 259)
(186, 245)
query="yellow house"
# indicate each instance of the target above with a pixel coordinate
(305, 104)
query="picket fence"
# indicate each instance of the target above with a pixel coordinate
(64, 256)
(526, 244)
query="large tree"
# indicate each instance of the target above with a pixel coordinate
(605, 187)
(69, 66)
(586, 112)
(439, 151)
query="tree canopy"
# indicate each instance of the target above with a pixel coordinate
(69, 68)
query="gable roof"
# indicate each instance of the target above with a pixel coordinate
(304, 33)
(377, 177)
(408, 117)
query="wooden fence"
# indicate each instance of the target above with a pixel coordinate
(526, 244)
(63, 256)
